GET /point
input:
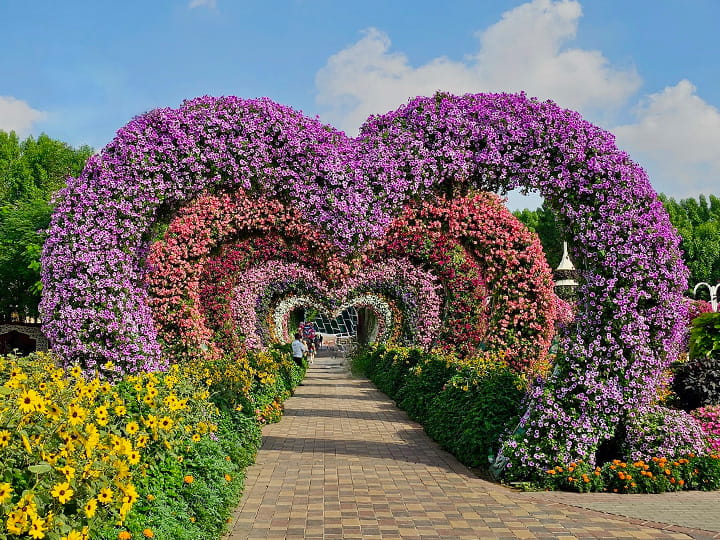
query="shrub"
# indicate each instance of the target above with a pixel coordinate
(474, 409)
(75, 450)
(705, 336)
(696, 383)
(149, 454)
(425, 381)
(464, 405)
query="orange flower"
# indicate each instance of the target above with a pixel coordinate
(148, 533)
(188, 479)
(124, 535)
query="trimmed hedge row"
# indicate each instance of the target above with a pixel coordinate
(464, 405)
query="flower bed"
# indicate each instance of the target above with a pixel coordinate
(149, 455)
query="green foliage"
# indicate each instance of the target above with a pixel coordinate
(698, 222)
(696, 383)
(705, 336)
(30, 172)
(474, 409)
(543, 222)
(427, 380)
(464, 405)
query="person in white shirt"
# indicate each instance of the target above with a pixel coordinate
(298, 350)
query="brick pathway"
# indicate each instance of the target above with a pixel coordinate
(344, 462)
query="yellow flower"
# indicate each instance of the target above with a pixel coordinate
(26, 444)
(5, 492)
(30, 401)
(124, 509)
(131, 494)
(101, 415)
(76, 415)
(62, 492)
(73, 535)
(90, 507)
(105, 496)
(120, 445)
(196, 437)
(151, 421)
(76, 371)
(132, 427)
(38, 528)
(68, 471)
(166, 423)
(4, 438)
(120, 410)
(142, 441)
(54, 411)
(17, 522)
(133, 457)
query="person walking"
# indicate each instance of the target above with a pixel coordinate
(298, 349)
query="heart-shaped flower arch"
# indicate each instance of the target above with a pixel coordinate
(95, 306)
(380, 307)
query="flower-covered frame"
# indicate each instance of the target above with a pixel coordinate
(95, 306)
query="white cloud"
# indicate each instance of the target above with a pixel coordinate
(525, 51)
(200, 3)
(16, 115)
(677, 139)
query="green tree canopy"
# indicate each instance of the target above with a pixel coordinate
(31, 170)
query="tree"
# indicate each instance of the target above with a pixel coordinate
(543, 222)
(698, 222)
(30, 172)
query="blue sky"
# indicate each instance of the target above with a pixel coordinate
(645, 70)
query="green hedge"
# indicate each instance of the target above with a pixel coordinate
(464, 405)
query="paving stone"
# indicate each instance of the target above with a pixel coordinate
(345, 463)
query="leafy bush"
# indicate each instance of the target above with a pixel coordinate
(705, 336)
(424, 381)
(696, 383)
(474, 409)
(465, 405)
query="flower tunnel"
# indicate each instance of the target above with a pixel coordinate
(263, 204)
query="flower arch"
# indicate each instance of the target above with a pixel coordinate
(96, 306)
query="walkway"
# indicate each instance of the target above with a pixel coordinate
(345, 463)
